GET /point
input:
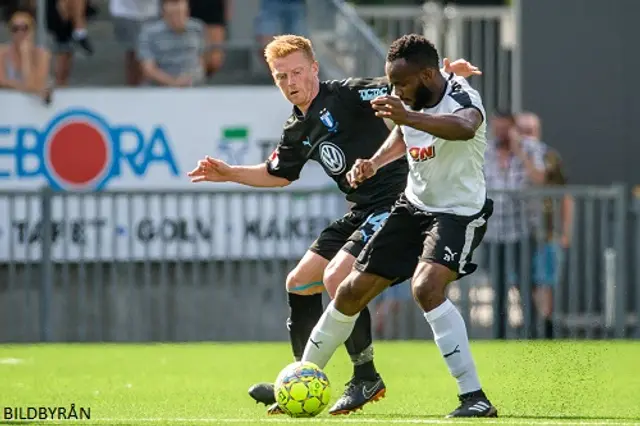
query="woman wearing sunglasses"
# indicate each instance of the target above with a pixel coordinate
(23, 65)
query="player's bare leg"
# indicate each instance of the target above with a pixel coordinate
(450, 334)
(365, 385)
(337, 323)
(304, 291)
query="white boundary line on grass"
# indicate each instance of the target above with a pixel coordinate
(358, 420)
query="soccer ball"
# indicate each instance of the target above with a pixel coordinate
(302, 390)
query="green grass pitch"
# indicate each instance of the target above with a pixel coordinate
(196, 384)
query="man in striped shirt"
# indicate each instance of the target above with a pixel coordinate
(171, 49)
(512, 164)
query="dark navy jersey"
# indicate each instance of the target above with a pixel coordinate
(339, 128)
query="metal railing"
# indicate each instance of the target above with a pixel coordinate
(344, 43)
(486, 36)
(176, 266)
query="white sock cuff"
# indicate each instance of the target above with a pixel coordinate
(441, 310)
(80, 32)
(339, 316)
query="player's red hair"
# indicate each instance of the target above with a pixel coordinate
(285, 45)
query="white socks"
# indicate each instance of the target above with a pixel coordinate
(449, 331)
(333, 329)
(450, 334)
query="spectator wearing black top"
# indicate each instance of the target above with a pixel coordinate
(215, 15)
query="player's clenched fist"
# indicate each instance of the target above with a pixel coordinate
(361, 171)
(210, 170)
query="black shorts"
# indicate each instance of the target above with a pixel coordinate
(410, 235)
(211, 12)
(60, 29)
(350, 233)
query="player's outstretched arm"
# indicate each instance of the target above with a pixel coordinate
(213, 170)
(392, 149)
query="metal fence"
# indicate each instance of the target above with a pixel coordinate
(345, 45)
(486, 36)
(163, 266)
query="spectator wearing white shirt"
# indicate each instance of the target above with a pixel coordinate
(128, 18)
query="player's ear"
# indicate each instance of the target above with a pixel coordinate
(315, 68)
(427, 75)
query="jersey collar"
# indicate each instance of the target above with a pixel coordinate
(302, 117)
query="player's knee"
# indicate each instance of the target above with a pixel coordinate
(429, 284)
(334, 274)
(347, 299)
(355, 292)
(331, 280)
(299, 284)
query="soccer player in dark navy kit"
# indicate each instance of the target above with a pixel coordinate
(334, 124)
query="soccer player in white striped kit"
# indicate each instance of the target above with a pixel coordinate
(436, 224)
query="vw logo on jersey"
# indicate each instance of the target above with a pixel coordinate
(332, 157)
(328, 120)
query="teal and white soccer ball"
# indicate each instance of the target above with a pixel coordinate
(302, 390)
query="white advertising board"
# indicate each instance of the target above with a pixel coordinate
(148, 139)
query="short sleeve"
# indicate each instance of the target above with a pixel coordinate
(286, 161)
(358, 92)
(465, 96)
(200, 36)
(144, 51)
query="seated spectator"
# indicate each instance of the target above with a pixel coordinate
(67, 24)
(280, 17)
(215, 14)
(128, 19)
(24, 66)
(171, 49)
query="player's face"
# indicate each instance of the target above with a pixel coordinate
(296, 76)
(410, 83)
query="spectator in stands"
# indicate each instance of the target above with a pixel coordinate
(280, 17)
(67, 24)
(555, 227)
(214, 14)
(128, 18)
(512, 163)
(171, 49)
(24, 66)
